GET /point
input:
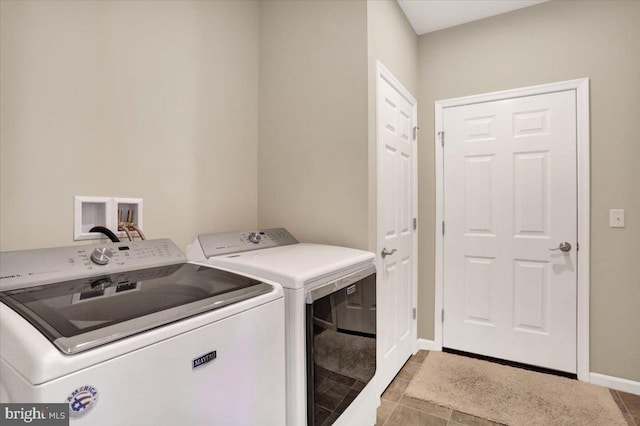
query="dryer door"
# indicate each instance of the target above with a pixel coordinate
(341, 343)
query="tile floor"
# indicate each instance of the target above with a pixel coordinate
(397, 409)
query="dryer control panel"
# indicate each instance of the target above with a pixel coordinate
(27, 268)
(237, 242)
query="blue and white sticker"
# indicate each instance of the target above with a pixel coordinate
(81, 401)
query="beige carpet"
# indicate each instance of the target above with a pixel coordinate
(511, 396)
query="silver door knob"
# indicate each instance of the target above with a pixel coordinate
(386, 252)
(565, 247)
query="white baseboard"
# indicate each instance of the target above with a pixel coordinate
(424, 344)
(616, 383)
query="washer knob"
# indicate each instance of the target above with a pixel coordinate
(101, 255)
(254, 237)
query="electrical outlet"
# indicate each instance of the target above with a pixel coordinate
(616, 218)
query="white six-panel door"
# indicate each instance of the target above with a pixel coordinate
(396, 153)
(509, 198)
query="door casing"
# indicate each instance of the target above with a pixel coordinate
(581, 87)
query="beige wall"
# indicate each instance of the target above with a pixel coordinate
(144, 99)
(557, 41)
(393, 42)
(312, 156)
(314, 176)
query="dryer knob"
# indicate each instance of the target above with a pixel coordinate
(101, 255)
(254, 237)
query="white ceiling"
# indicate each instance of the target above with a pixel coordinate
(432, 15)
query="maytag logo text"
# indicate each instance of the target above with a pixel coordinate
(204, 359)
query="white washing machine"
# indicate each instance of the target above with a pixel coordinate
(133, 334)
(330, 322)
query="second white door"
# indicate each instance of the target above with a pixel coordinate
(510, 203)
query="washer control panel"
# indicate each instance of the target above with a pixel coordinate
(42, 266)
(237, 242)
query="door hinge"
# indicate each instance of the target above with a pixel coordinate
(415, 223)
(414, 313)
(577, 246)
(442, 315)
(443, 227)
(441, 137)
(415, 132)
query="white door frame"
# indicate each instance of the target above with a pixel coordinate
(383, 73)
(581, 86)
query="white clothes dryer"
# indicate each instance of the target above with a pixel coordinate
(330, 319)
(133, 334)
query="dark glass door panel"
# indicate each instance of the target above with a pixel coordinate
(341, 349)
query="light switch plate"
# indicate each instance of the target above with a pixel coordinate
(616, 218)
